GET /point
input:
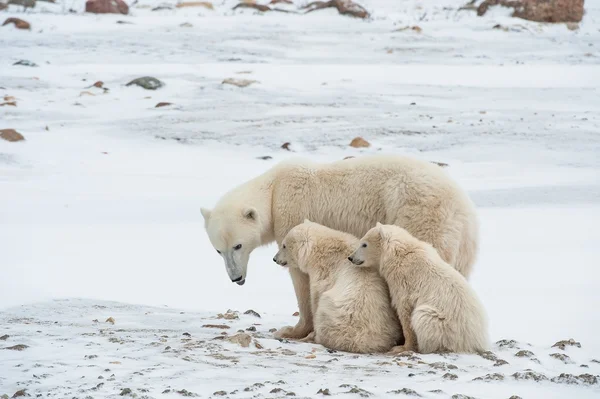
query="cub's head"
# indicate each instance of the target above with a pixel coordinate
(368, 253)
(295, 248)
(234, 232)
(311, 246)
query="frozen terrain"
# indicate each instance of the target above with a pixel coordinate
(99, 206)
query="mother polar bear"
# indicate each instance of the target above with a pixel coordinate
(350, 195)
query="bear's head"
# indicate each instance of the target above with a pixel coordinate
(378, 240)
(234, 233)
(313, 247)
(295, 248)
(368, 253)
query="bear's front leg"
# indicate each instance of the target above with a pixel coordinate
(305, 324)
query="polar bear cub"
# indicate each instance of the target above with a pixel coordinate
(438, 310)
(351, 306)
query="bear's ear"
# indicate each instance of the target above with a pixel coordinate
(250, 213)
(205, 214)
(378, 225)
(307, 221)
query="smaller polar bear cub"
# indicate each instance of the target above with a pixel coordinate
(438, 310)
(351, 306)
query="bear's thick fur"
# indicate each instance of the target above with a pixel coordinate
(351, 306)
(437, 308)
(351, 196)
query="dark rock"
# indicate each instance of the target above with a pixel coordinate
(147, 82)
(19, 347)
(524, 353)
(562, 357)
(529, 375)
(251, 328)
(450, 376)
(252, 313)
(490, 377)
(25, 63)
(570, 379)
(324, 392)
(405, 391)
(4, 337)
(507, 343)
(125, 392)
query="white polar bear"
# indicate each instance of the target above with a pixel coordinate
(437, 308)
(351, 196)
(350, 305)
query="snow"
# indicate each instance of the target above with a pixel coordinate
(99, 213)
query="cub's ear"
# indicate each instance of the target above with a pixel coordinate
(205, 213)
(250, 213)
(307, 221)
(378, 225)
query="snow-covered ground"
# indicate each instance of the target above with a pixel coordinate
(99, 207)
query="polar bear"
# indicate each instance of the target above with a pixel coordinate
(350, 305)
(438, 310)
(348, 195)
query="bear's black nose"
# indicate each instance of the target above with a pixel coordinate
(275, 260)
(350, 258)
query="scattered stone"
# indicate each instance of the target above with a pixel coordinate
(106, 7)
(529, 375)
(488, 355)
(221, 326)
(204, 4)
(505, 343)
(438, 391)
(252, 313)
(272, 330)
(405, 391)
(515, 397)
(254, 386)
(595, 361)
(500, 362)
(26, 63)
(344, 7)
(564, 343)
(359, 391)
(146, 82)
(4, 337)
(349, 157)
(241, 339)
(20, 393)
(19, 23)
(286, 146)
(461, 396)
(11, 135)
(125, 22)
(251, 328)
(19, 347)
(229, 315)
(311, 356)
(259, 7)
(490, 377)
(442, 366)
(359, 142)
(265, 157)
(539, 10)
(288, 352)
(125, 391)
(186, 25)
(187, 393)
(440, 164)
(296, 314)
(562, 357)
(585, 379)
(281, 1)
(89, 357)
(450, 376)
(524, 353)
(238, 82)
(161, 104)
(324, 392)
(187, 334)
(220, 393)
(99, 84)
(110, 320)
(86, 93)
(413, 28)
(257, 345)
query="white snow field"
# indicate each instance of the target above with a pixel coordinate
(100, 205)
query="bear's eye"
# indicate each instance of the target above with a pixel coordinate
(283, 246)
(219, 252)
(237, 247)
(364, 245)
